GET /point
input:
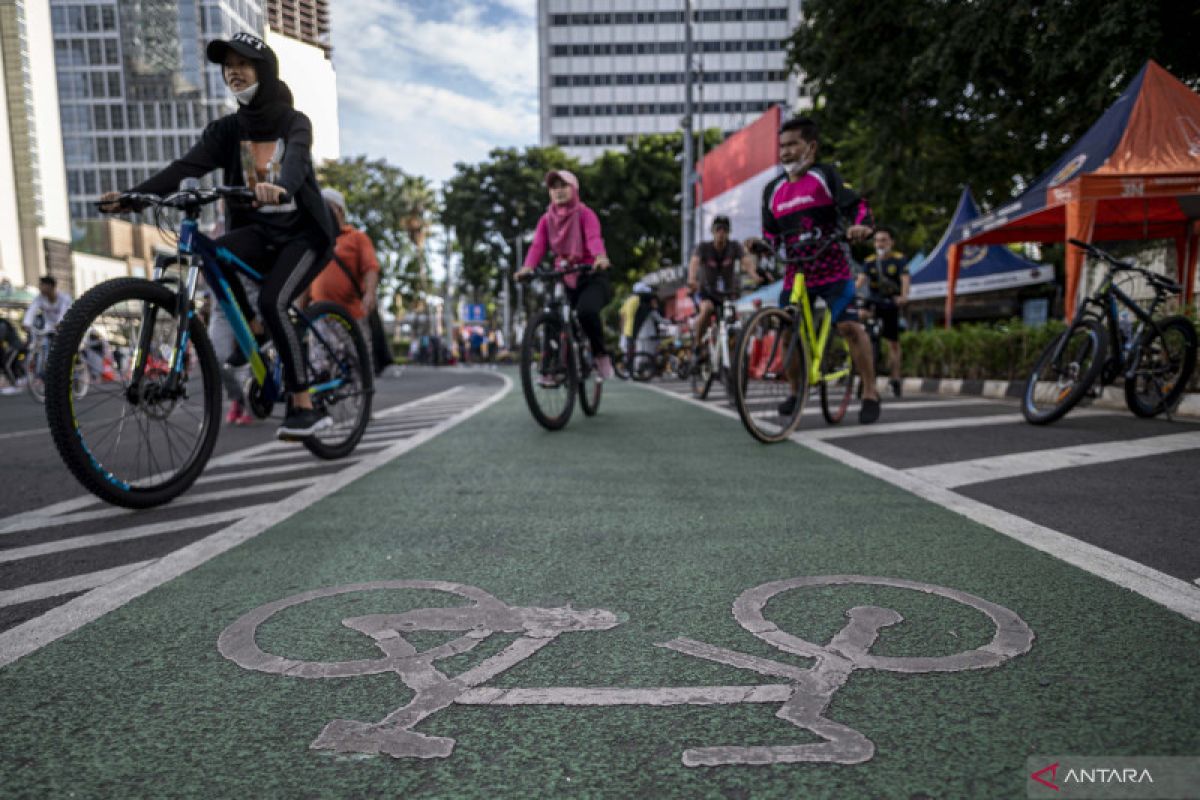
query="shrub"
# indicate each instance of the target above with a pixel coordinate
(1005, 351)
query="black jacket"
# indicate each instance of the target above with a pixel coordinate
(220, 147)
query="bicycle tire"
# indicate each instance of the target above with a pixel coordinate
(643, 368)
(35, 375)
(561, 372)
(323, 445)
(835, 400)
(702, 379)
(590, 389)
(767, 343)
(1066, 398)
(1178, 382)
(60, 410)
(619, 367)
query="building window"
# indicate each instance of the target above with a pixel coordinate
(563, 80)
(103, 151)
(560, 50)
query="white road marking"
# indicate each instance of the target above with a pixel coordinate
(19, 434)
(919, 426)
(1169, 592)
(422, 401)
(993, 468)
(136, 532)
(76, 583)
(74, 614)
(260, 470)
(108, 512)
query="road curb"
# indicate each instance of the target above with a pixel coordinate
(1111, 397)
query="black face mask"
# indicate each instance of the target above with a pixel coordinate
(262, 118)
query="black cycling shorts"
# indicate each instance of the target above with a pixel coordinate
(889, 321)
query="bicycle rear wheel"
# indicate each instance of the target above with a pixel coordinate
(837, 390)
(589, 387)
(340, 377)
(1166, 361)
(134, 441)
(35, 373)
(1064, 373)
(703, 375)
(548, 377)
(771, 380)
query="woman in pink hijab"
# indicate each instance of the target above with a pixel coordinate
(571, 231)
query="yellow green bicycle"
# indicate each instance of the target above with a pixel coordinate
(784, 352)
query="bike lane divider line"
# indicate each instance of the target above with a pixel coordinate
(1165, 590)
(288, 465)
(961, 473)
(109, 512)
(76, 583)
(136, 532)
(74, 614)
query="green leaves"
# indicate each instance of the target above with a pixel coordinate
(394, 209)
(920, 97)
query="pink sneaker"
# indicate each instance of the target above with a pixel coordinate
(236, 412)
(604, 367)
(245, 418)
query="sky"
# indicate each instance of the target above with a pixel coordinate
(427, 83)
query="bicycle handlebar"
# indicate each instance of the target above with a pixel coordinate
(1159, 282)
(183, 199)
(542, 273)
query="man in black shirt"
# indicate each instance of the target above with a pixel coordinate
(886, 272)
(712, 271)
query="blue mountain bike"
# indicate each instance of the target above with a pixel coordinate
(143, 437)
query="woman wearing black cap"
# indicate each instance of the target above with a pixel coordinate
(266, 145)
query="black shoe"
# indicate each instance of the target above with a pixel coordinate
(303, 423)
(869, 412)
(788, 407)
(895, 387)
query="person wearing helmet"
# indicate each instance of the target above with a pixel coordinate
(712, 272)
(266, 145)
(571, 231)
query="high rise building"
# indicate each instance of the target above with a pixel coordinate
(303, 20)
(135, 89)
(34, 228)
(610, 70)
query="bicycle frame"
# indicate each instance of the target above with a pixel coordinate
(197, 253)
(1107, 301)
(810, 337)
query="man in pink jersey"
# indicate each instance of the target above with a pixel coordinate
(806, 210)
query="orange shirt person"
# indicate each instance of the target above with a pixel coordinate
(354, 249)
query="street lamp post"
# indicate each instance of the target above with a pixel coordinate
(686, 194)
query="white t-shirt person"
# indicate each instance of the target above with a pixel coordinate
(52, 311)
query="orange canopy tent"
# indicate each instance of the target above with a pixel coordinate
(1134, 175)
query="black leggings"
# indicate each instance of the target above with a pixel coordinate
(288, 267)
(588, 298)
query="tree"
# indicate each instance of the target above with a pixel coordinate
(918, 97)
(488, 205)
(394, 209)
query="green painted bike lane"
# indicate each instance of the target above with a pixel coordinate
(662, 514)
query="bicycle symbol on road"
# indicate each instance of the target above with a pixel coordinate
(803, 695)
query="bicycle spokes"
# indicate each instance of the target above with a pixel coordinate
(145, 424)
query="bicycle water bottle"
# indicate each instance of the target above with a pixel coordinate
(1125, 323)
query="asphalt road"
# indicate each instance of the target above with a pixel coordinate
(647, 603)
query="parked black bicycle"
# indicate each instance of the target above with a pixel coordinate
(1156, 357)
(557, 363)
(142, 438)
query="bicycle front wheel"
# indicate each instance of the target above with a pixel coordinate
(837, 378)
(771, 378)
(35, 373)
(340, 378)
(1064, 373)
(143, 438)
(548, 377)
(703, 374)
(1166, 361)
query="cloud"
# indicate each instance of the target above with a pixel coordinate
(426, 85)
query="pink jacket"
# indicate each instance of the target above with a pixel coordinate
(593, 243)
